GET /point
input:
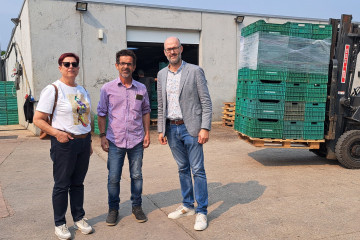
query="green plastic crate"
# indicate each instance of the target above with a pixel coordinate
(265, 90)
(314, 130)
(321, 36)
(11, 103)
(261, 128)
(3, 103)
(294, 111)
(321, 31)
(96, 126)
(153, 114)
(314, 78)
(3, 117)
(243, 106)
(153, 96)
(293, 130)
(153, 104)
(264, 109)
(240, 89)
(241, 123)
(297, 77)
(295, 92)
(262, 74)
(303, 30)
(12, 117)
(262, 26)
(315, 112)
(238, 103)
(237, 122)
(153, 86)
(316, 93)
(7, 88)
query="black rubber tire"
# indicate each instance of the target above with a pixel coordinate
(345, 149)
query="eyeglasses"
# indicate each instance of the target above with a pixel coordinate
(67, 64)
(175, 49)
(124, 63)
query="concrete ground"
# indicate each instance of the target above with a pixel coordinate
(254, 193)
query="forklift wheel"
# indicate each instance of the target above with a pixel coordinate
(347, 149)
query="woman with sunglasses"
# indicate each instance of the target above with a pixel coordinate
(70, 142)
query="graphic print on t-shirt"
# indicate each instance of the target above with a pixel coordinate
(80, 109)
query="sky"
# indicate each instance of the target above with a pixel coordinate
(320, 9)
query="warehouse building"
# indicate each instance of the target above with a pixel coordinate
(96, 30)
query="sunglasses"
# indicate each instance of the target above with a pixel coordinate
(67, 64)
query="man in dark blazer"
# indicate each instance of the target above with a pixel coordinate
(184, 120)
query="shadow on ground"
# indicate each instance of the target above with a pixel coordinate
(289, 157)
(228, 196)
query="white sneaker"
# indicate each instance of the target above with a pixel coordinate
(181, 211)
(83, 226)
(200, 222)
(62, 232)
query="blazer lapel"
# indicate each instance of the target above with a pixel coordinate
(184, 73)
(163, 83)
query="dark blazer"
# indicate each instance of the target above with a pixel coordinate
(195, 102)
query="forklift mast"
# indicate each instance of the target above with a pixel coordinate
(343, 104)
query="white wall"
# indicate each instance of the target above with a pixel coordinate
(218, 57)
(162, 18)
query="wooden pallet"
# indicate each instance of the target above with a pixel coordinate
(281, 143)
(227, 122)
(229, 114)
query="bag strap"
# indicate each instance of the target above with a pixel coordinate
(56, 98)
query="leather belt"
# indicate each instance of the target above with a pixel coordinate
(79, 136)
(176, 122)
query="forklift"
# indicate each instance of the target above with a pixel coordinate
(342, 120)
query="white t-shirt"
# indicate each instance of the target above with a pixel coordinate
(72, 112)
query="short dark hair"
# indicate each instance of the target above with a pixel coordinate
(126, 52)
(65, 55)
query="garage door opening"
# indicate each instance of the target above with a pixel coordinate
(151, 58)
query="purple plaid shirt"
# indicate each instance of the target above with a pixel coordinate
(124, 108)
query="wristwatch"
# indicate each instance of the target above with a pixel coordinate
(102, 134)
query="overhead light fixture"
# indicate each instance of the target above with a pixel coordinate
(81, 6)
(15, 21)
(239, 19)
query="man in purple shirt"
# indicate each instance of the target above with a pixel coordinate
(126, 104)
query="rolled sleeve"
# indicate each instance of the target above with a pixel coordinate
(146, 104)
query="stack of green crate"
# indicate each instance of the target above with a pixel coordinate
(260, 105)
(96, 126)
(8, 104)
(153, 102)
(282, 82)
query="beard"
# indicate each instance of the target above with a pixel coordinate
(175, 61)
(126, 75)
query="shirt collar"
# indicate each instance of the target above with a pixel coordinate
(133, 83)
(180, 68)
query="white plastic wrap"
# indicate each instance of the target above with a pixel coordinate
(263, 50)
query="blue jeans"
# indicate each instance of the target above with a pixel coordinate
(115, 164)
(188, 154)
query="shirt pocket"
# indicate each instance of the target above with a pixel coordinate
(138, 105)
